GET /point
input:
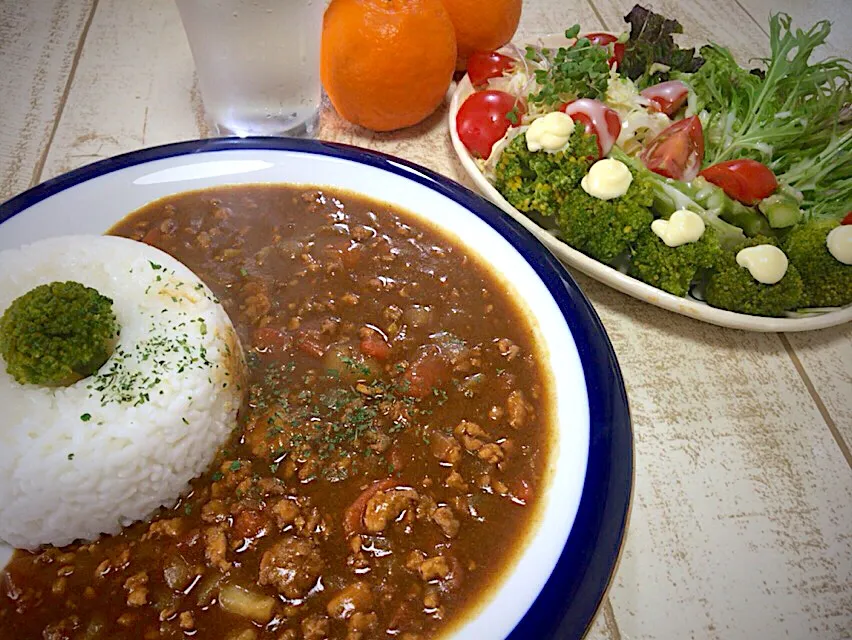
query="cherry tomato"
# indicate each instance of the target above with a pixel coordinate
(667, 97)
(847, 219)
(482, 65)
(678, 150)
(745, 180)
(599, 120)
(481, 120)
(604, 39)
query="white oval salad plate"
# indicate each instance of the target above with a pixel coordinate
(687, 306)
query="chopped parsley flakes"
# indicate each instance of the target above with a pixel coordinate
(167, 350)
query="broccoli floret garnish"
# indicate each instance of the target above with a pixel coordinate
(828, 282)
(699, 196)
(673, 269)
(548, 184)
(538, 181)
(732, 287)
(57, 334)
(605, 229)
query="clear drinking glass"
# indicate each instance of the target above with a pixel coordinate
(257, 63)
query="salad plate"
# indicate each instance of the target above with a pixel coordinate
(688, 306)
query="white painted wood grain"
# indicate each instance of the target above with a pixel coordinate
(826, 357)
(805, 13)
(37, 45)
(604, 627)
(742, 523)
(134, 86)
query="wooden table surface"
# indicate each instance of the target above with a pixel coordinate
(742, 516)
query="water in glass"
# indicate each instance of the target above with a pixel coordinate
(257, 63)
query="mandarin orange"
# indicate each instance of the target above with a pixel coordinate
(387, 64)
(482, 25)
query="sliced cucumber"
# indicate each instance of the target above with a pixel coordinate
(781, 210)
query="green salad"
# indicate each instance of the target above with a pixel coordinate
(680, 167)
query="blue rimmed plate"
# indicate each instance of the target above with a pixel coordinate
(561, 575)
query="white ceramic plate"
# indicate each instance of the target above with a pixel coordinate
(564, 569)
(689, 307)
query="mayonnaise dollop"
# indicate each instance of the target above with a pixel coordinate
(607, 179)
(551, 132)
(683, 226)
(839, 243)
(766, 263)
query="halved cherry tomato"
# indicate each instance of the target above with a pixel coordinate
(667, 97)
(678, 150)
(482, 65)
(604, 39)
(481, 120)
(599, 120)
(745, 180)
(847, 219)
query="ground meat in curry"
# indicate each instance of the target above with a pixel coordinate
(386, 464)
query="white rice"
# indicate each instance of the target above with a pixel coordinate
(83, 460)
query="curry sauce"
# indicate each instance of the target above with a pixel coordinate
(387, 461)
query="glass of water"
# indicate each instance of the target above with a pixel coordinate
(257, 63)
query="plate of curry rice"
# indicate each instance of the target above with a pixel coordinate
(428, 434)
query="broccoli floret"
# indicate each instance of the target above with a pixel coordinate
(548, 185)
(57, 334)
(827, 281)
(605, 229)
(732, 287)
(699, 196)
(673, 269)
(537, 181)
